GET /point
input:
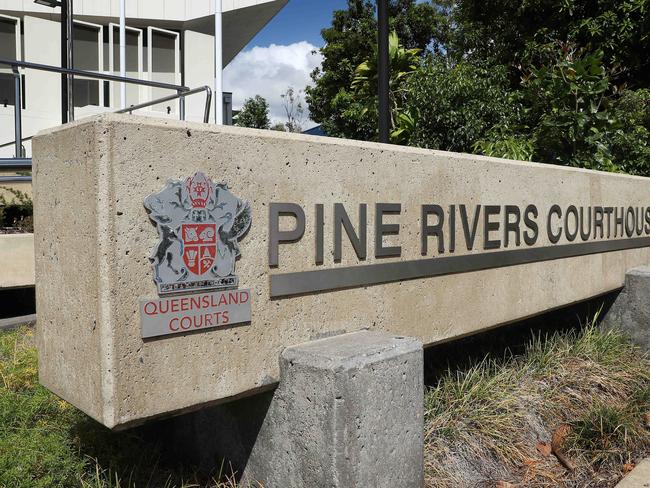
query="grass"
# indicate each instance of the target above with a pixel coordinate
(490, 421)
(484, 423)
(45, 442)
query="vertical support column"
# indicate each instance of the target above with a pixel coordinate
(64, 61)
(70, 39)
(123, 52)
(348, 412)
(18, 123)
(383, 71)
(218, 63)
(630, 312)
(181, 105)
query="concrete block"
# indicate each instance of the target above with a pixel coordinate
(348, 412)
(631, 310)
(639, 477)
(16, 260)
(94, 239)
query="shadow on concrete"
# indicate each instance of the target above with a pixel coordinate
(15, 302)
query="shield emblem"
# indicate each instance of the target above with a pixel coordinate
(199, 246)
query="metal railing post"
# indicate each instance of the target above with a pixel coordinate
(18, 101)
(208, 103)
(181, 104)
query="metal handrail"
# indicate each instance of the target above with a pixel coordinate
(91, 74)
(15, 163)
(15, 179)
(206, 111)
(18, 162)
(11, 143)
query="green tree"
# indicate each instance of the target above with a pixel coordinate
(500, 31)
(403, 63)
(254, 113)
(456, 105)
(351, 40)
(569, 97)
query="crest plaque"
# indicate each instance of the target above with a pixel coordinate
(199, 224)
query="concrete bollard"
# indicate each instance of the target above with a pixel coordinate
(348, 412)
(631, 310)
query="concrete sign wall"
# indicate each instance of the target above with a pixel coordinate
(342, 235)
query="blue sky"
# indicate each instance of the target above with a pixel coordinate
(282, 55)
(299, 20)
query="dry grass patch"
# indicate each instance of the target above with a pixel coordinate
(495, 421)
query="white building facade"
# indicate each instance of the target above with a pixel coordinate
(169, 41)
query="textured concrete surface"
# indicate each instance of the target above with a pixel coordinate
(93, 239)
(348, 412)
(631, 309)
(639, 477)
(16, 260)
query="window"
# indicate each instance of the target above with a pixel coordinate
(89, 56)
(9, 49)
(134, 68)
(163, 61)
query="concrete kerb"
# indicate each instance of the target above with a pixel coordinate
(630, 312)
(348, 411)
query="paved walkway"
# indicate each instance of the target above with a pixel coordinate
(639, 477)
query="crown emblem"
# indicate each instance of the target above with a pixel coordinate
(199, 188)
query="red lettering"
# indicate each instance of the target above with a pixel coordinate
(186, 323)
(148, 310)
(223, 299)
(174, 305)
(243, 296)
(170, 325)
(226, 318)
(163, 307)
(205, 301)
(233, 298)
(208, 320)
(200, 321)
(195, 302)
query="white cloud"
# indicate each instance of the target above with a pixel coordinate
(268, 71)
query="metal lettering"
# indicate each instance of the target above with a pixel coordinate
(341, 219)
(382, 229)
(512, 226)
(531, 224)
(489, 226)
(470, 236)
(555, 209)
(276, 236)
(432, 230)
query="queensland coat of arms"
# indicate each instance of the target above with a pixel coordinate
(199, 224)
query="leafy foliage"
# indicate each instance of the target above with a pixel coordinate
(254, 113)
(350, 41)
(569, 97)
(456, 104)
(403, 62)
(555, 81)
(16, 212)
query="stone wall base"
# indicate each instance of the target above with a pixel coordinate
(630, 311)
(348, 412)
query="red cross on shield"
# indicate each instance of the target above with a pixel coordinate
(199, 246)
